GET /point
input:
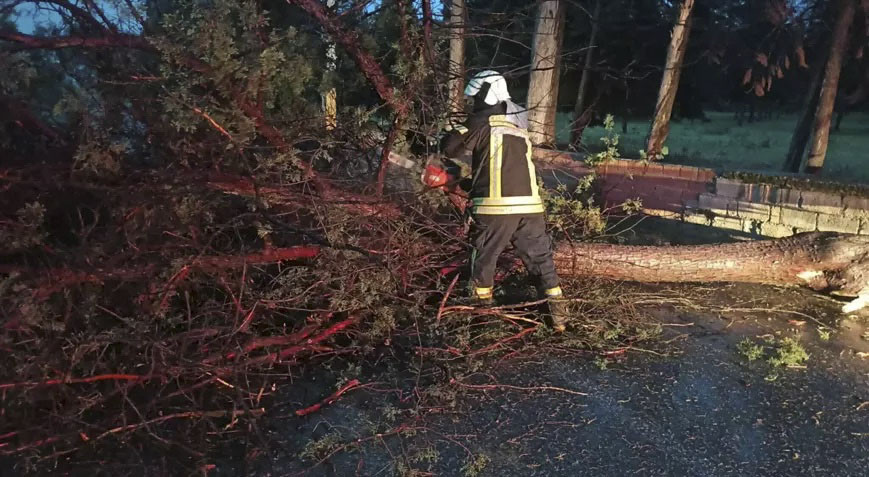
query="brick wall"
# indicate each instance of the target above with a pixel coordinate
(697, 195)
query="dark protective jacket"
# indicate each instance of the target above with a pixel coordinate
(503, 179)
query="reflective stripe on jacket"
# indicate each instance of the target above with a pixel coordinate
(504, 181)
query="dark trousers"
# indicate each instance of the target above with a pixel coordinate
(527, 233)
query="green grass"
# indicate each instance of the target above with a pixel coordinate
(723, 144)
(749, 350)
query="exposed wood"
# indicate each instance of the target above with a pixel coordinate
(545, 64)
(818, 260)
(830, 87)
(670, 81)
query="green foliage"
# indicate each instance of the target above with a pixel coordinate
(285, 166)
(475, 465)
(610, 141)
(575, 213)
(422, 457)
(784, 352)
(789, 353)
(25, 231)
(17, 74)
(661, 155)
(322, 447)
(100, 158)
(749, 350)
(247, 61)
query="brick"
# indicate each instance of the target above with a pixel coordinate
(731, 223)
(838, 223)
(753, 226)
(801, 219)
(656, 169)
(750, 210)
(773, 230)
(790, 197)
(617, 197)
(824, 202)
(656, 203)
(705, 175)
(729, 188)
(717, 204)
(855, 206)
(699, 219)
(758, 193)
(689, 173)
(666, 214)
(691, 195)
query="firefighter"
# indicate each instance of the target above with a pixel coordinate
(506, 204)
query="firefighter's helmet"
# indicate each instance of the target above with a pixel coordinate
(497, 87)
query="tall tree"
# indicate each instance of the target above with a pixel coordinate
(829, 88)
(670, 81)
(803, 131)
(579, 108)
(330, 97)
(457, 55)
(545, 66)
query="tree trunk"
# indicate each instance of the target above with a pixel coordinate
(579, 109)
(330, 98)
(824, 114)
(545, 65)
(804, 126)
(670, 81)
(820, 261)
(457, 57)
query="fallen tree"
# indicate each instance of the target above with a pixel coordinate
(824, 262)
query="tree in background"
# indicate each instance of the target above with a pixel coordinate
(457, 15)
(545, 67)
(580, 107)
(830, 87)
(670, 81)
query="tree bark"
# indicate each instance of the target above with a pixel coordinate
(670, 81)
(457, 57)
(824, 114)
(803, 130)
(820, 261)
(545, 65)
(579, 109)
(330, 97)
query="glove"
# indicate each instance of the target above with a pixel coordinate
(434, 176)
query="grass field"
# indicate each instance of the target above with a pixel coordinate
(761, 146)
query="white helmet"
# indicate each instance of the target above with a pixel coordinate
(497, 87)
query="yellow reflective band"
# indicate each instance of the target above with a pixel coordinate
(496, 152)
(483, 292)
(532, 171)
(519, 200)
(461, 129)
(508, 209)
(500, 120)
(553, 292)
